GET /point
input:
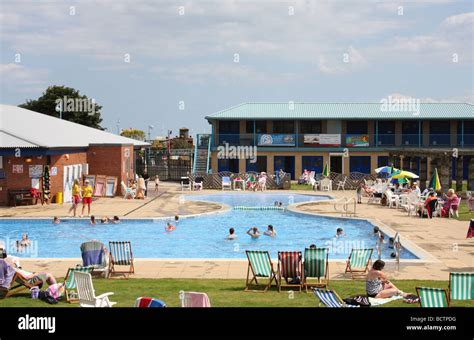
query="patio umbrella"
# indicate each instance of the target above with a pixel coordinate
(435, 183)
(326, 170)
(404, 174)
(385, 170)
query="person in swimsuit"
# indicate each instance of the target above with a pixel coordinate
(270, 231)
(169, 227)
(231, 235)
(377, 284)
(253, 232)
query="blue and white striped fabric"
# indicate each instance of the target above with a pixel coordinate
(329, 299)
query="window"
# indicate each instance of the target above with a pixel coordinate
(360, 164)
(312, 163)
(310, 126)
(468, 136)
(229, 126)
(440, 132)
(356, 127)
(386, 132)
(259, 166)
(382, 161)
(283, 126)
(411, 133)
(2, 172)
(260, 126)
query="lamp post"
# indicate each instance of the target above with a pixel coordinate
(150, 127)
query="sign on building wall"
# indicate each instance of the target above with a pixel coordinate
(322, 139)
(276, 140)
(357, 140)
(17, 168)
(35, 171)
(53, 171)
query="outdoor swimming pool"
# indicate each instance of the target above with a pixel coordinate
(203, 236)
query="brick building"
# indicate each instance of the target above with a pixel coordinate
(29, 141)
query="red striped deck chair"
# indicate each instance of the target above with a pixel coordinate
(260, 264)
(289, 269)
(121, 255)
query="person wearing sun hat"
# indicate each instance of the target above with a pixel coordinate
(86, 197)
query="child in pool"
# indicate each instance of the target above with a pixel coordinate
(340, 232)
(231, 235)
(169, 227)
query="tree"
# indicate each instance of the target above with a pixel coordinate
(133, 133)
(76, 108)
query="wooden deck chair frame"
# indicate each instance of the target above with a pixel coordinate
(322, 282)
(451, 275)
(110, 181)
(358, 274)
(338, 298)
(285, 279)
(100, 186)
(69, 273)
(248, 283)
(120, 246)
(19, 284)
(445, 294)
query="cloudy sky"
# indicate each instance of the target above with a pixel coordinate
(170, 63)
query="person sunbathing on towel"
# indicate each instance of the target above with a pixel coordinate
(377, 284)
(35, 277)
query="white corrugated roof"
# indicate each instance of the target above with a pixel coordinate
(9, 141)
(24, 128)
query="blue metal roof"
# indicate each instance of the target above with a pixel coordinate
(291, 110)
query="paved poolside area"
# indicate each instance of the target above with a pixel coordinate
(443, 238)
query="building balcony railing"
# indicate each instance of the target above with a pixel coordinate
(343, 140)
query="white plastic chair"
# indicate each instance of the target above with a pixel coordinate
(342, 184)
(453, 212)
(185, 183)
(326, 184)
(226, 183)
(86, 292)
(127, 192)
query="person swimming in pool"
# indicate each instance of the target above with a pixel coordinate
(93, 222)
(56, 220)
(231, 235)
(169, 227)
(104, 220)
(270, 231)
(253, 232)
(340, 232)
(114, 220)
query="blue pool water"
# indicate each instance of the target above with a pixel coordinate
(204, 236)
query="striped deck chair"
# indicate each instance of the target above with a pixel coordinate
(70, 284)
(461, 286)
(432, 297)
(289, 268)
(121, 255)
(330, 299)
(260, 264)
(358, 262)
(93, 254)
(315, 265)
(147, 302)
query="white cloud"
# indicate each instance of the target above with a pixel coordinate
(18, 78)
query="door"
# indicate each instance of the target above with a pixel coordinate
(285, 163)
(335, 163)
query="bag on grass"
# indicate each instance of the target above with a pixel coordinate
(358, 300)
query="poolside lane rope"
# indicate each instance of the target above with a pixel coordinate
(144, 204)
(239, 207)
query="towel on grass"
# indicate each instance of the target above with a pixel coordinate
(377, 302)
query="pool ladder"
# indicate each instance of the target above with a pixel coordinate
(348, 206)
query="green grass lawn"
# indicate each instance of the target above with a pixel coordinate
(464, 214)
(296, 186)
(222, 293)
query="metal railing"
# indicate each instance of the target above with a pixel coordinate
(343, 140)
